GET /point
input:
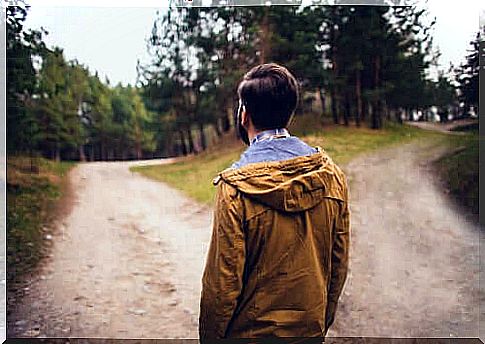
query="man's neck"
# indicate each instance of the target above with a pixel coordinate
(252, 132)
(268, 133)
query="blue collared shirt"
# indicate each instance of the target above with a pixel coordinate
(273, 145)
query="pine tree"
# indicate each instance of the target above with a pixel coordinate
(23, 49)
(468, 76)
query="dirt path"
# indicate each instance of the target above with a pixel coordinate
(414, 268)
(444, 127)
(127, 261)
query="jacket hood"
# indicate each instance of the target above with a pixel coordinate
(290, 185)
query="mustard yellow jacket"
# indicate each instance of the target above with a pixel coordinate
(278, 256)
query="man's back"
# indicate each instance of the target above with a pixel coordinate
(279, 250)
(278, 256)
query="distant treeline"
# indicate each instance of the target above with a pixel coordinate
(360, 65)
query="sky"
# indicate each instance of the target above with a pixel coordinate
(110, 39)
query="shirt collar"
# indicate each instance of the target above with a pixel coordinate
(270, 134)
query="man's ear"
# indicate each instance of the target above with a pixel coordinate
(244, 117)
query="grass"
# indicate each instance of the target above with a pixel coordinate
(345, 143)
(194, 175)
(32, 189)
(459, 170)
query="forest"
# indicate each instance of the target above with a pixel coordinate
(356, 65)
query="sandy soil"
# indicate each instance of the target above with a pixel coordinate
(128, 259)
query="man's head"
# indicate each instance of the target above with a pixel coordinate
(269, 95)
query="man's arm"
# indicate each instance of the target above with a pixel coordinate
(340, 258)
(223, 274)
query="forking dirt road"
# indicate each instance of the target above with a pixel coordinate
(128, 258)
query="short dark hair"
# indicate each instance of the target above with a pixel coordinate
(270, 94)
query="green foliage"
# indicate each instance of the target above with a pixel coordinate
(369, 60)
(60, 93)
(294, 40)
(440, 93)
(379, 56)
(131, 120)
(59, 109)
(22, 49)
(468, 75)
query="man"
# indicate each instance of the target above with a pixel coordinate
(278, 256)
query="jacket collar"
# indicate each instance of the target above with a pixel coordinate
(288, 185)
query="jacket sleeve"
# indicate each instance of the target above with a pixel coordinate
(223, 274)
(340, 258)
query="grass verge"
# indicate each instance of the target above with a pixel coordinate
(459, 170)
(33, 187)
(194, 175)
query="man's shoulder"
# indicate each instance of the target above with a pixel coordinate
(341, 178)
(224, 189)
(340, 172)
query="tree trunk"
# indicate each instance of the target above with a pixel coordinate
(335, 104)
(226, 124)
(139, 153)
(103, 151)
(370, 109)
(217, 128)
(230, 115)
(182, 140)
(379, 114)
(203, 140)
(58, 152)
(358, 96)
(346, 110)
(376, 111)
(322, 101)
(82, 155)
(375, 115)
(191, 141)
(386, 111)
(31, 156)
(397, 114)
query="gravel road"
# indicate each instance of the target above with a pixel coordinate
(127, 260)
